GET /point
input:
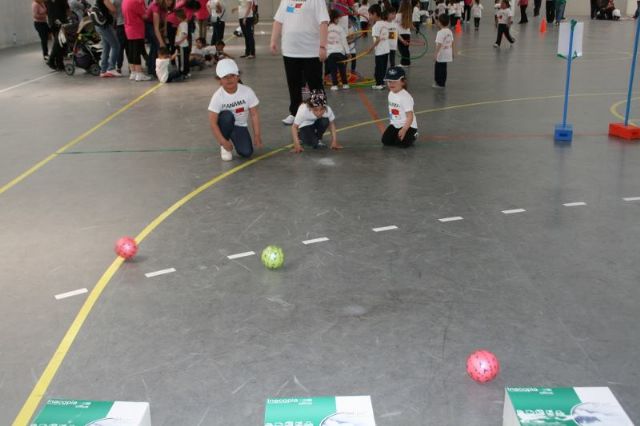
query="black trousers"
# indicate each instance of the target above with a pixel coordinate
(171, 35)
(390, 137)
(122, 40)
(440, 73)
(57, 53)
(381, 68)
(43, 32)
(523, 14)
(503, 29)
(249, 40)
(466, 14)
(392, 58)
(537, 4)
(476, 22)
(594, 8)
(335, 65)
(550, 8)
(301, 71)
(312, 135)
(403, 51)
(218, 32)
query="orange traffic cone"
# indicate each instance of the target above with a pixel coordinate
(543, 26)
(458, 27)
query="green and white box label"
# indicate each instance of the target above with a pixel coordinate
(74, 412)
(563, 407)
(320, 411)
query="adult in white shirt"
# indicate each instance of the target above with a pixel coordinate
(217, 11)
(303, 26)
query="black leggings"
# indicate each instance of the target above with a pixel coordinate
(381, 68)
(43, 32)
(249, 40)
(403, 51)
(335, 65)
(504, 29)
(390, 137)
(301, 71)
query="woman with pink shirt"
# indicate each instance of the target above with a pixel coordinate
(202, 15)
(155, 19)
(39, 11)
(134, 12)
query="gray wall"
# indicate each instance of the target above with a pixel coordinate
(15, 17)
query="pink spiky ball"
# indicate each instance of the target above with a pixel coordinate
(126, 247)
(483, 366)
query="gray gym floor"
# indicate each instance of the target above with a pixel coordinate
(552, 291)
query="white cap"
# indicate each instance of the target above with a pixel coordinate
(226, 67)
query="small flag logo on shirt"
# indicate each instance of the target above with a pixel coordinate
(239, 110)
(395, 112)
(298, 5)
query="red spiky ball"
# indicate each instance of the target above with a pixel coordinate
(483, 366)
(126, 247)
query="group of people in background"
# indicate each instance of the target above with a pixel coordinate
(128, 26)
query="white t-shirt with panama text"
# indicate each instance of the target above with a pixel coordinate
(305, 117)
(380, 31)
(238, 103)
(301, 21)
(445, 38)
(399, 104)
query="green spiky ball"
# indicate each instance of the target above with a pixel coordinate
(272, 257)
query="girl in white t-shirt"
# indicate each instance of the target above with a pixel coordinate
(363, 13)
(311, 122)
(230, 108)
(392, 27)
(404, 20)
(403, 127)
(505, 18)
(337, 49)
(476, 12)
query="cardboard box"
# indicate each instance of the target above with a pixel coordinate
(319, 411)
(562, 407)
(74, 412)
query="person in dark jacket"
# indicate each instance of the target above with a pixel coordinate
(57, 13)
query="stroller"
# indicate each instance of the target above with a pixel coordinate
(83, 47)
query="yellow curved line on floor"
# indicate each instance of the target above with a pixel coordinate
(75, 141)
(40, 388)
(31, 404)
(615, 113)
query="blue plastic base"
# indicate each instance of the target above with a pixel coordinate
(563, 133)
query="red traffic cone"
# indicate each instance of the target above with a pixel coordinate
(458, 27)
(543, 26)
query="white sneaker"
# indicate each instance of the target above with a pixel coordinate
(225, 155)
(142, 77)
(115, 73)
(345, 86)
(377, 87)
(334, 88)
(289, 120)
(132, 75)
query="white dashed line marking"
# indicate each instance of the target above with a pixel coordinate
(632, 199)
(513, 211)
(451, 219)
(315, 240)
(239, 255)
(71, 293)
(160, 272)
(579, 203)
(384, 228)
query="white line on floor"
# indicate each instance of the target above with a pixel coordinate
(315, 240)
(160, 272)
(451, 219)
(384, 228)
(24, 83)
(239, 255)
(513, 211)
(71, 293)
(632, 199)
(579, 203)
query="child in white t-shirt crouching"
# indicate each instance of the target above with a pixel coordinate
(229, 111)
(312, 120)
(403, 129)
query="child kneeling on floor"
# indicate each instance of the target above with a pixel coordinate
(166, 72)
(403, 129)
(312, 119)
(229, 111)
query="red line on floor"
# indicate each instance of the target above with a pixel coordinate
(372, 111)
